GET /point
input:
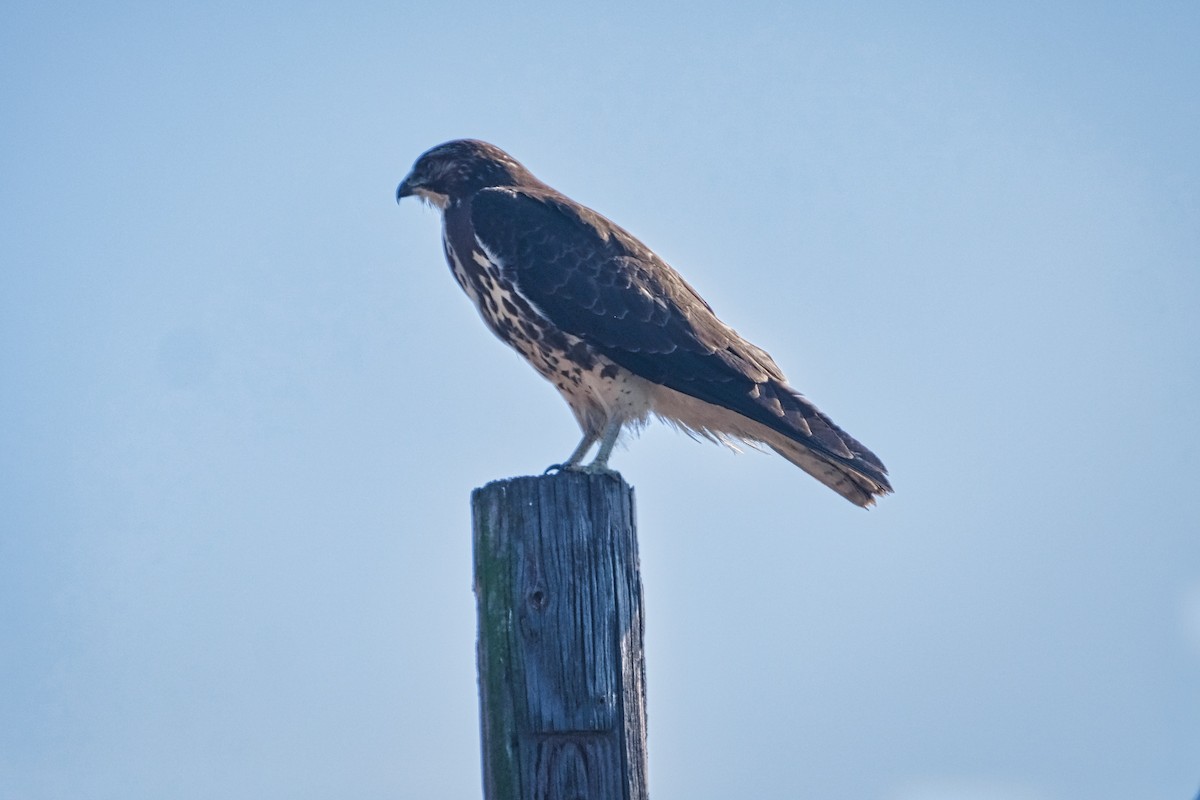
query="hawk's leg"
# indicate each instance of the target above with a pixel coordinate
(609, 440)
(599, 464)
(573, 461)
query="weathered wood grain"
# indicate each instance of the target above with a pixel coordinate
(561, 669)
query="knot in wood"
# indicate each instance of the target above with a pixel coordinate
(537, 599)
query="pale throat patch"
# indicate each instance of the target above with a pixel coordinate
(433, 198)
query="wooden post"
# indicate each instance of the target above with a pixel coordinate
(561, 672)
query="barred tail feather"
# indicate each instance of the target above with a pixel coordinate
(777, 416)
(856, 486)
(809, 439)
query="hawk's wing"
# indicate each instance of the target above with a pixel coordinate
(595, 281)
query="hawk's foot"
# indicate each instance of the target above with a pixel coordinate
(586, 469)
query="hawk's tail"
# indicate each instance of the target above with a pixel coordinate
(851, 483)
(810, 440)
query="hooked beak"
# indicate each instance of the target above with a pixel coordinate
(405, 189)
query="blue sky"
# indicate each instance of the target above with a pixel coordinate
(244, 402)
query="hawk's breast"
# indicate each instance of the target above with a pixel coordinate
(596, 388)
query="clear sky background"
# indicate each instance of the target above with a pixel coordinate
(243, 402)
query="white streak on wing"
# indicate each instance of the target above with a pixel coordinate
(499, 265)
(491, 256)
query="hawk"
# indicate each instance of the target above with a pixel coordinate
(617, 330)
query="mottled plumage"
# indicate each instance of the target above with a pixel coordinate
(616, 329)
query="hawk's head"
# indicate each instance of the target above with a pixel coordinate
(459, 168)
